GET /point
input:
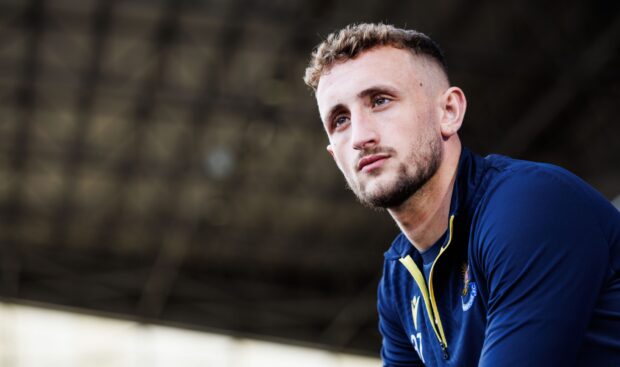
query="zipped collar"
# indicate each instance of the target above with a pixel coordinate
(427, 291)
(471, 168)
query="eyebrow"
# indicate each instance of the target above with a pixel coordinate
(378, 89)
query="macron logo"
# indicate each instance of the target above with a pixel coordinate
(414, 310)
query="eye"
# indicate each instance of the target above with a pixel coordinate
(339, 120)
(379, 101)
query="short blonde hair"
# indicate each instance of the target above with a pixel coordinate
(352, 40)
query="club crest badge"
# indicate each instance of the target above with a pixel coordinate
(470, 291)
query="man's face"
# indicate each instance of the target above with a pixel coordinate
(380, 111)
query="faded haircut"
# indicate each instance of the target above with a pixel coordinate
(354, 39)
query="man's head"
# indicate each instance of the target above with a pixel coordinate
(387, 107)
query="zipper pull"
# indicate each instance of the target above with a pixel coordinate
(444, 349)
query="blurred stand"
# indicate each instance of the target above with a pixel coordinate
(35, 337)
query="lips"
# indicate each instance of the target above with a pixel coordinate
(371, 161)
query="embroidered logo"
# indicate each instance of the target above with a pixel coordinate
(415, 302)
(469, 290)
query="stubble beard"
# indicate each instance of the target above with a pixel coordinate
(407, 183)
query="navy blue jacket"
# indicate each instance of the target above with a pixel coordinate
(528, 274)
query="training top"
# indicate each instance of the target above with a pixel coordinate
(527, 274)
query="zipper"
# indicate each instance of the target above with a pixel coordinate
(428, 294)
(444, 350)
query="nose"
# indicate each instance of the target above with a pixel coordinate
(364, 133)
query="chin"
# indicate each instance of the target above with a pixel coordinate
(382, 196)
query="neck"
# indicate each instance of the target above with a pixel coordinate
(424, 217)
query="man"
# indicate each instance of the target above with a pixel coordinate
(500, 262)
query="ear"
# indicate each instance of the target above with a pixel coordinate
(453, 106)
(330, 150)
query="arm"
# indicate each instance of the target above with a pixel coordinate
(545, 260)
(396, 349)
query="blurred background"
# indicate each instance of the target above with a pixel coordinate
(162, 162)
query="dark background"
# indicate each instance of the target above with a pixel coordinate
(163, 161)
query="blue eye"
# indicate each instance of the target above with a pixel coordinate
(378, 101)
(340, 120)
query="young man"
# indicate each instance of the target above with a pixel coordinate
(500, 262)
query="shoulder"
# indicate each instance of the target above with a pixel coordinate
(509, 172)
(520, 186)
(517, 187)
(535, 208)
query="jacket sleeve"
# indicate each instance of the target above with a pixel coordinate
(545, 260)
(396, 350)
